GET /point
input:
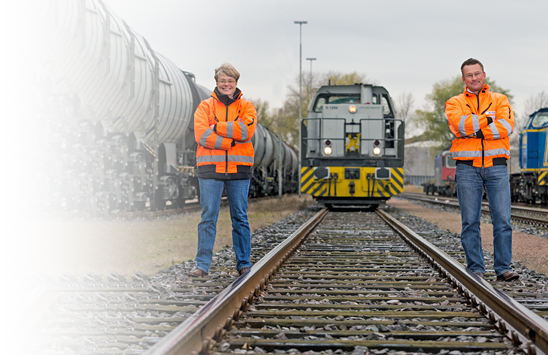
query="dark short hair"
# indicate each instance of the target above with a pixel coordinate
(471, 61)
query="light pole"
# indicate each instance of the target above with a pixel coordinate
(300, 23)
(310, 82)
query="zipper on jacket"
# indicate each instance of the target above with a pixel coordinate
(487, 108)
(226, 151)
(226, 163)
(482, 147)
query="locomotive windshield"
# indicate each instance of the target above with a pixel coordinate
(540, 120)
(322, 100)
(336, 99)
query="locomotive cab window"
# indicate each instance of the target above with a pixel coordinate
(449, 162)
(540, 120)
(386, 107)
(335, 100)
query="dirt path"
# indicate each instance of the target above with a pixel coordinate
(530, 250)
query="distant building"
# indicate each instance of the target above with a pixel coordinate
(418, 165)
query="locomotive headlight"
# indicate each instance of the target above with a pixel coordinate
(352, 109)
(327, 150)
(376, 150)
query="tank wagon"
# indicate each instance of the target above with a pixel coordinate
(531, 183)
(444, 176)
(352, 146)
(117, 118)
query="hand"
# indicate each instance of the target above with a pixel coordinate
(211, 126)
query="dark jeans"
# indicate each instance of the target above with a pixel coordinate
(470, 184)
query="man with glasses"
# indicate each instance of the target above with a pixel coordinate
(223, 127)
(481, 122)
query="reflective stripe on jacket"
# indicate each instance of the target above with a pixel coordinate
(234, 123)
(481, 125)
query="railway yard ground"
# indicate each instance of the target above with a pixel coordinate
(75, 245)
(524, 237)
(139, 291)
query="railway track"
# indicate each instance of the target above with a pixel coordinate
(519, 213)
(354, 286)
(114, 314)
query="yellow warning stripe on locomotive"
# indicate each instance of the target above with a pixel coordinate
(187, 169)
(336, 185)
(542, 178)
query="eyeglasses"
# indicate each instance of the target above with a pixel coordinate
(231, 82)
(471, 76)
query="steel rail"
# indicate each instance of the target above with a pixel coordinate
(200, 332)
(24, 318)
(511, 318)
(485, 210)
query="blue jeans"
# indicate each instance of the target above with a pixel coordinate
(470, 184)
(12, 262)
(210, 199)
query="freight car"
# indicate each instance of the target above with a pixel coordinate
(444, 176)
(531, 183)
(116, 118)
(352, 146)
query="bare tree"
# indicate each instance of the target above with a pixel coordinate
(533, 103)
(405, 111)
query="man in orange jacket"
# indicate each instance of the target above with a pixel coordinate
(223, 127)
(481, 121)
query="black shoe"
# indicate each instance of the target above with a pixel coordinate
(508, 276)
(479, 274)
(244, 270)
(198, 273)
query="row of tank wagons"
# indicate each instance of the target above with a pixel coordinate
(62, 161)
(530, 185)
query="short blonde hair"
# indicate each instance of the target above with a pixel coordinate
(228, 70)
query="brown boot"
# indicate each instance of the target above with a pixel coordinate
(508, 276)
(244, 270)
(198, 273)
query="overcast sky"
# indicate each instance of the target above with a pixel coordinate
(405, 46)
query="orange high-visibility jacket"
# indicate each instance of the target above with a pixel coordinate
(481, 125)
(229, 145)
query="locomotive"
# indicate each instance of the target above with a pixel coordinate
(114, 118)
(352, 146)
(444, 175)
(531, 183)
